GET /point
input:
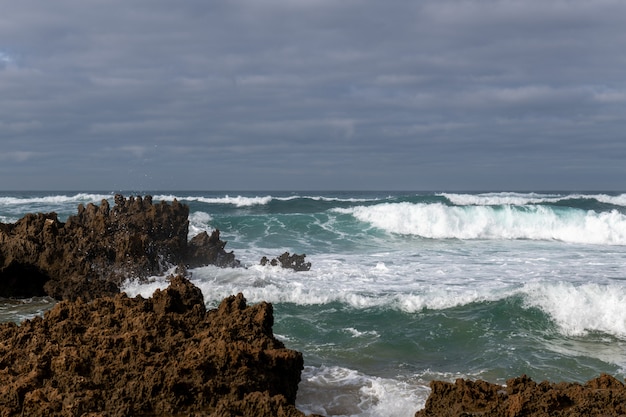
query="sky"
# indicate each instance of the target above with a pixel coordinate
(313, 95)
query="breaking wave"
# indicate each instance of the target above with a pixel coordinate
(439, 221)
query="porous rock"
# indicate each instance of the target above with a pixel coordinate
(95, 250)
(521, 396)
(162, 356)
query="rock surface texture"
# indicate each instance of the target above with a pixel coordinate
(162, 356)
(95, 250)
(603, 396)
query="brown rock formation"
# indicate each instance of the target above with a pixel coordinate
(162, 356)
(603, 396)
(98, 248)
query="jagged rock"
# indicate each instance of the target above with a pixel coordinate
(98, 248)
(204, 249)
(603, 396)
(295, 262)
(161, 356)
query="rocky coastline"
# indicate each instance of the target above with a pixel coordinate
(100, 353)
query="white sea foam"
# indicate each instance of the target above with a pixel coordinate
(438, 221)
(440, 277)
(245, 201)
(53, 199)
(404, 287)
(439, 300)
(520, 199)
(381, 266)
(618, 200)
(338, 391)
(496, 199)
(199, 222)
(341, 200)
(578, 309)
(237, 201)
(356, 333)
(133, 287)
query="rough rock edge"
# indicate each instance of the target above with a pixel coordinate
(94, 251)
(161, 356)
(602, 396)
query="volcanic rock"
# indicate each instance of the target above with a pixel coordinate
(94, 251)
(295, 262)
(162, 356)
(603, 396)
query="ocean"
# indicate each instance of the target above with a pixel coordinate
(408, 287)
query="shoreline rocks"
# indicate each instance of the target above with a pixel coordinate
(94, 251)
(602, 396)
(165, 355)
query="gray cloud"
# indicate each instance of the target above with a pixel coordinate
(313, 94)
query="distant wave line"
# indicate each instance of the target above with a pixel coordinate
(519, 199)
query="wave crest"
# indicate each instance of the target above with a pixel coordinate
(438, 221)
(237, 201)
(54, 199)
(580, 309)
(520, 199)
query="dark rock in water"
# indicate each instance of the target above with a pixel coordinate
(295, 262)
(603, 396)
(162, 356)
(94, 251)
(204, 249)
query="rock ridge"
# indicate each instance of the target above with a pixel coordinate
(94, 251)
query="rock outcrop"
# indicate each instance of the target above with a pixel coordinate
(203, 249)
(603, 396)
(162, 356)
(295, 262)
(95, 250)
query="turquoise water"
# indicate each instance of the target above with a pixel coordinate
(410, 287)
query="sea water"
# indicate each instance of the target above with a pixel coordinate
(406, 288)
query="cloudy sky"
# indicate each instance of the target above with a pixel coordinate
(313, 94)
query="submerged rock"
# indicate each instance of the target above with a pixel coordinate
(94, 251)
(161, 356)
(603, 396)
(295, 262)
